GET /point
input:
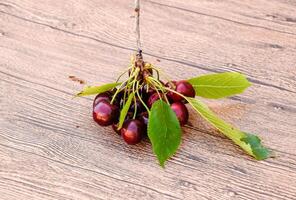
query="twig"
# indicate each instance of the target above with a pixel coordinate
(138, 31)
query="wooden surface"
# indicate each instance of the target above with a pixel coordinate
(51, 149)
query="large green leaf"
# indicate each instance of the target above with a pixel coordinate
(215, 86)
(125, 109)
(248, 142)
(164, 131)
(91, 90)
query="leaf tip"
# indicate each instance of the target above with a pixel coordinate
(161, 162)
(78, 94)
(259, 151)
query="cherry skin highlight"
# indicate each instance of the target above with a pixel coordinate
(132, 131)
(105, 114)
(181, 112)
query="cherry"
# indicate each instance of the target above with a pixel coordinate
(105, 113)
(144, 117)
(181, 112)
(145, 93)
(184, 88)
(140, 106)
(119, 96)
(152, 99)
(103, 96)
(132, 131)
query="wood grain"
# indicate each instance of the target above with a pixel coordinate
(51, 149)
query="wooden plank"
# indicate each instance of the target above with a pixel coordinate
(51, 149)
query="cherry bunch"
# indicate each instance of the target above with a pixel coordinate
(143, 90)
(143, 105)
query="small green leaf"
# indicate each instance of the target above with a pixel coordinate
(250, 143)
(91, 90)
(125, 109)
(164, 131)
(215, 86)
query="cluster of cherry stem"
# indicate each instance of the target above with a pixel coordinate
(141, 75)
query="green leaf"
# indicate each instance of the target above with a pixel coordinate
(215, 86)
(91, 90)
(250, 143)
(164, 131)
(125, 109)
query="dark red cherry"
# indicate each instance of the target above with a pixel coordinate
(103, 96)
(152, 99)
(140, 106)
(105, 113)
(181, 112)
(145, 93)
(184, 88)
(144, 117)
(132, 131)
(119, 96)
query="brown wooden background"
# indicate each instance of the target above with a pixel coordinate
(51, 149)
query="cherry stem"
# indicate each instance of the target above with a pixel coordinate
(135, 99)
(119, 77)
(161, 72)
(140, 98)
(156, 84)
(169, 89)
(134, 73)
(117, 91)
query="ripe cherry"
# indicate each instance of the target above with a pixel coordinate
(152, 99)
(181, 112)
(118, 97)
(140, 106)
(105, 113)
(132, 131)
(184, 88)
(146, 94)
(103, 96)
(144, 117)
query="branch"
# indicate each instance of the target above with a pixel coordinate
(138, 32)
